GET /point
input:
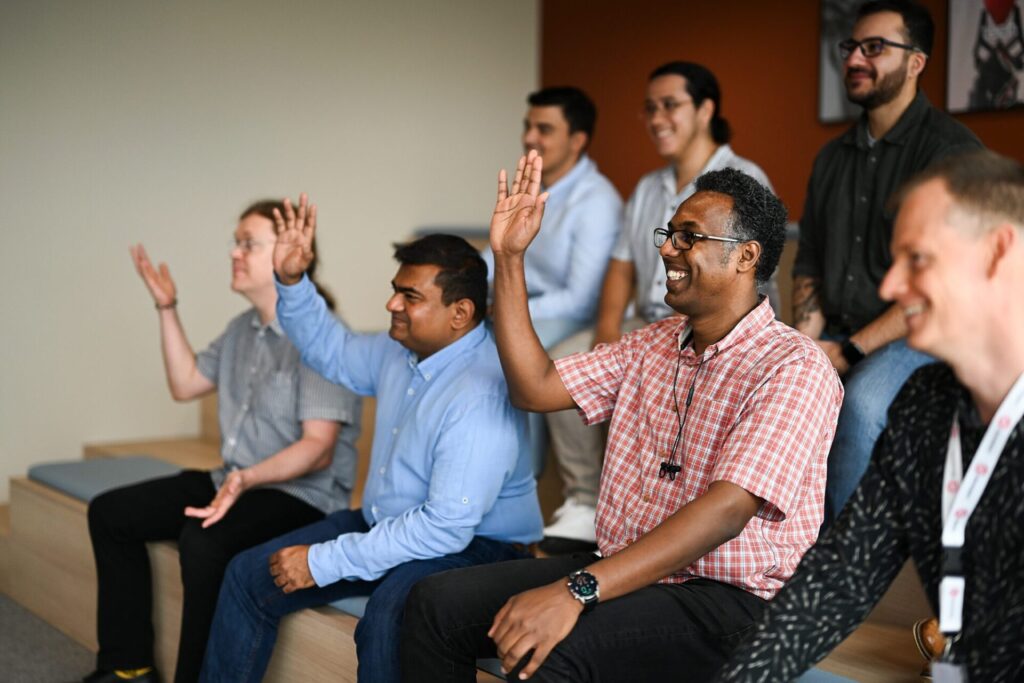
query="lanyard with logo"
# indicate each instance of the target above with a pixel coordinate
(960, 495)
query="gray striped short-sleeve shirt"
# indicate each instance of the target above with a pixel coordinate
(264, 392)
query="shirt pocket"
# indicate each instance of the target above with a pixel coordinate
(278, 396)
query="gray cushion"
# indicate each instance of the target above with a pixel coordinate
(86, 479)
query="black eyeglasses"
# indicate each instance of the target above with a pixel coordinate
(683, 240)
(870, 47)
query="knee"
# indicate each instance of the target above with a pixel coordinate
(103, 512)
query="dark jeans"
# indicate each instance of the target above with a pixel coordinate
(662, 632)
(251, 606)
(123, 520)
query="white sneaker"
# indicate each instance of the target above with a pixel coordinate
(573, 520)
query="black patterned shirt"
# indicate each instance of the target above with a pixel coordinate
(896, 513)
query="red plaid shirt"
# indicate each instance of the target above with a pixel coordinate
(763, 415)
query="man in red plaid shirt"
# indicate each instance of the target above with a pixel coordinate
(714, 476)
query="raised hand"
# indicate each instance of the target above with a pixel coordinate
(234, 486)
(158, 282)
(293, 251)
(519, 209)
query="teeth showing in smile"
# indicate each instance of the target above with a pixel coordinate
(913, 309)
(675, 275)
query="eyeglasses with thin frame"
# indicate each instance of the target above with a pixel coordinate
(683, 240)
(248, 245)
(870, 47)
(666, 106)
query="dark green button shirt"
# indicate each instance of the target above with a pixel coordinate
(845, 230)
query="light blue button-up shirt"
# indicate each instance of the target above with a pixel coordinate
(450, 457)
(566, 262)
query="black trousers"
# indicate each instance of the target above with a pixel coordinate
(123, 520)
(681, 632)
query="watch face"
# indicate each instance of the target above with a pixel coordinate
(583, 584)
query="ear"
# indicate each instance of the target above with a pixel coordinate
(916, 63)
(462, 312)
(1002, 241)
(749, 253)
(578, 142)
(706, 112)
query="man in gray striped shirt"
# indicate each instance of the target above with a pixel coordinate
(287, 441)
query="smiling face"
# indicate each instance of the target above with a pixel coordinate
(252, 258)
(420, 321)
(698, 278)
(546, 130)
(674, 121)
(938, 273)
(872, 82)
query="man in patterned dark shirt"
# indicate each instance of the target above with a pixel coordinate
(957, 276)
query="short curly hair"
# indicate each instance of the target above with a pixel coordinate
(757, 214)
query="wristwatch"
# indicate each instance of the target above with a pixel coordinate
(583, 586)
(852, 352)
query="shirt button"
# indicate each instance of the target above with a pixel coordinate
(426, 377)
(373, 509)
(863, 199)
(395, 430)
(245, 406)
(383, 470)
(252, 369)
(411, 392)
(856, 239)
(872, 159)
(849, 278)
(465, 501)
(231, 441)
(647, 499)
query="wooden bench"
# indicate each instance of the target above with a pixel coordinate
(51, 572)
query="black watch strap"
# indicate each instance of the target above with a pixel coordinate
(852, 352)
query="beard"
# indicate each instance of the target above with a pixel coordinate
(885, 90)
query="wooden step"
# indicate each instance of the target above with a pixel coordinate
(5, 549)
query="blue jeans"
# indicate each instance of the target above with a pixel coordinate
(871, 385)
(251, 606)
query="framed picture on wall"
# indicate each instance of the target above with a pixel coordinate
(986, 55)
(837, 19)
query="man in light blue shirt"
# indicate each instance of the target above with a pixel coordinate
(449, 485)
(565, 271)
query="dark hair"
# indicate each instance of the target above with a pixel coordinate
(918, 27)
(982, 183)
(757, 214)
(578, 109)
(463, 273)
(701, 85)
(265, 208)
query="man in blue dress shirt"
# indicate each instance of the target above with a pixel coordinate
(450, 482)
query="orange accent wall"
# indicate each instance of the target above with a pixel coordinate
(765, 55)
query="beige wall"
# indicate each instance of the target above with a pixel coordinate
(158, 121)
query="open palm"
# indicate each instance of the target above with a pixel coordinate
(519, 209)
(293, 251)
(158, 281)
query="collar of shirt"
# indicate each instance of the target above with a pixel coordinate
(564, 185)
(717, 161)
(436, 362)
(273, 325)
(760, 317)
(897, 135)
